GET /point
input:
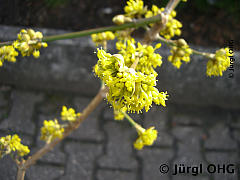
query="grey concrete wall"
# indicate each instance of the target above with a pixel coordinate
(67, 66)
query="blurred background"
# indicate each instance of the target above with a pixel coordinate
(205, 22)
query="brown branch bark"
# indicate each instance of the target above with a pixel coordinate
(151, 35)
(22, 167)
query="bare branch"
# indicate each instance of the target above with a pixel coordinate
(68, 130)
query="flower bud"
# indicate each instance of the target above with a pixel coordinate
(31, 33)
(119, 19)
(181, 42)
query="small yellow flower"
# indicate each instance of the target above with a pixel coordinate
(119, 112)
(44, 45)
(69, 114)
(146, 138)
(36, 54)
(135, 8)
(7, 53)
(218, 63)
(148, 58)
(29, 42)
(101, 38)
(179, 53)
(51, 130)
(11, 144)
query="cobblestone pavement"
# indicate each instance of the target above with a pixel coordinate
(101, 149)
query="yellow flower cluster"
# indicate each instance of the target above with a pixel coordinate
(180, 52)
(218, 63)
(101, 38)
(148, 59)
(7, 53)
(51, 130)
(146, 138)
(11, 144)
(172, 27)
(127, 87)
(154, 11)
(29, 42)
(69, 114)
(135, 8)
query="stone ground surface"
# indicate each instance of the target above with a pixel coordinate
(101, 149)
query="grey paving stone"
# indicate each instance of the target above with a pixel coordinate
(89, 129)
(115, 174)
(188, 136)
(3, 100)
(188, 146)
(202, 116)
(163, 139)
(179, 177)
(235, 123)
(222, 157)
(219, 158)
(44, 172)
(185, 119)
(119, 150)
(108, 113)
(236, 135)
(4, 103)
(8, 169)
(54, 156)
(53, 103)
(157, 117)
(20, 117)
(220, 138)
(81, 160)
(152, 158)
(3, 113)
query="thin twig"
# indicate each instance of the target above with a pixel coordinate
(157, 27)
(133, 123)
(22, 167)
(173, 43)
(172, 4)
(134, 24)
